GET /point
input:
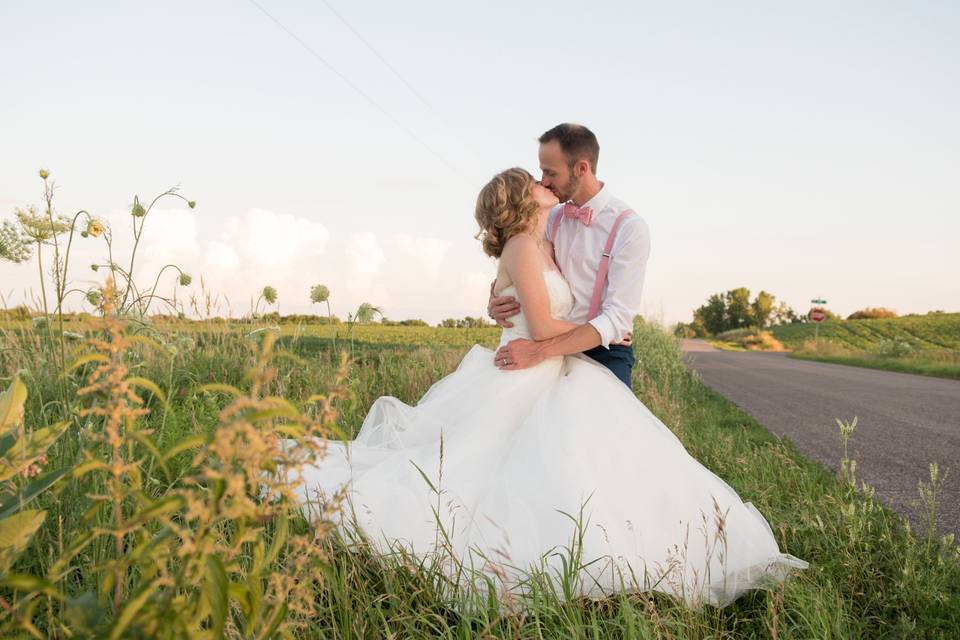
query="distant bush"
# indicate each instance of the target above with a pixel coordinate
(762, 341)
(682, 330)
(752, 340)
(19, 312)
(872, 313)
(416, 322)
(465, 323)
(894, 348)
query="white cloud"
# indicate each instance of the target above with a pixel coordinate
(408, 275)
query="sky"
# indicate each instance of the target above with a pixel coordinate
(807, 149)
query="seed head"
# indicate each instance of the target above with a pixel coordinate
(319, 293)
(44, 173)
(185, 279)
(192, 204)
(37, 227)
(94, 267)
(269, 294)
(137, 211)
(12, 246)
(94, 297)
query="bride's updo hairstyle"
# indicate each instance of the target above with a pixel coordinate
(505, 207)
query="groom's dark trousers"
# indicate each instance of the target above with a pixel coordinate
(618, 358)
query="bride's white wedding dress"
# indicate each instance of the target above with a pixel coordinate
(506, 461)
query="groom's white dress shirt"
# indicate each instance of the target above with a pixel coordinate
(578, 249)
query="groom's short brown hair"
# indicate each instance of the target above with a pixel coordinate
(576, 141)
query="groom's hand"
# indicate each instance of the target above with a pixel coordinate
(502, 307)
(518, 354)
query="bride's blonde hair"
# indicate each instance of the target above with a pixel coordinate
(505, 207)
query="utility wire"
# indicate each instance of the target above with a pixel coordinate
(399, 76)
(377, 53)
(410, 132)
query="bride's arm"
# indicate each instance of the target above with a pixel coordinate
(524, 264)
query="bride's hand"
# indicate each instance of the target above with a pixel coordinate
(502, 307)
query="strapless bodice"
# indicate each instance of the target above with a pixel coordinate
(561, 304)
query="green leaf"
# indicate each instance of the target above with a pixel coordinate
(274, 412)
(11, 404)
(184, 445)
(6, 442)
(238, 593)
(279, 539)
(156, 509)
(31, 584)
(148, 384)
(84, 613)
(11, 504)
(15, 534)
(424, 475)
(131, 609)
(145, 440)
(86, 467)
(216, 591)
(28, 447)
(277, 619)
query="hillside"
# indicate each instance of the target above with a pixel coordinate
(932, 331)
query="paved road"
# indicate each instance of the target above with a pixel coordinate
(905, 421)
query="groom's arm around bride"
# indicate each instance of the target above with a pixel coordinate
(601, 247)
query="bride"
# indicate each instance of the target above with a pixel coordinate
(505, 472)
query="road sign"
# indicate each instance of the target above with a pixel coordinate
(817, 315)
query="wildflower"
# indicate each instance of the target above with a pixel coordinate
(12, 246)
(269, 294)
(44, 173)
(95, 227)
(319, 293)
(366, 312)
(137, 211)
(185, 279)
(37, 227)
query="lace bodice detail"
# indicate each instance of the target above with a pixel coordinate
(561, 304)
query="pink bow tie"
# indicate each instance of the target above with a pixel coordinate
(585, 214)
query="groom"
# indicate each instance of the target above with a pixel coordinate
(601, 247)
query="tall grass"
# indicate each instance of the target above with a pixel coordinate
(871, 575)
(888, 355)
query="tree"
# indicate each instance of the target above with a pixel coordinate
(784, 314)
(712, 316)
(738, 308)
(762, 308)
(871, 313)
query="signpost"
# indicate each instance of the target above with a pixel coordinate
(818, 315)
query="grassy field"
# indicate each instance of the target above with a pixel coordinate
(927, 345)
(156, 528)
(932, 331)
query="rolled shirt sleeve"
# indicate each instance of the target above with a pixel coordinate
(625, 276)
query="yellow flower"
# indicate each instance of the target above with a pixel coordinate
(95, 227)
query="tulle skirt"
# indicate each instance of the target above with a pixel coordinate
(557, 470)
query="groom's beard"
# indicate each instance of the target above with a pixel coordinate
(571, 189)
